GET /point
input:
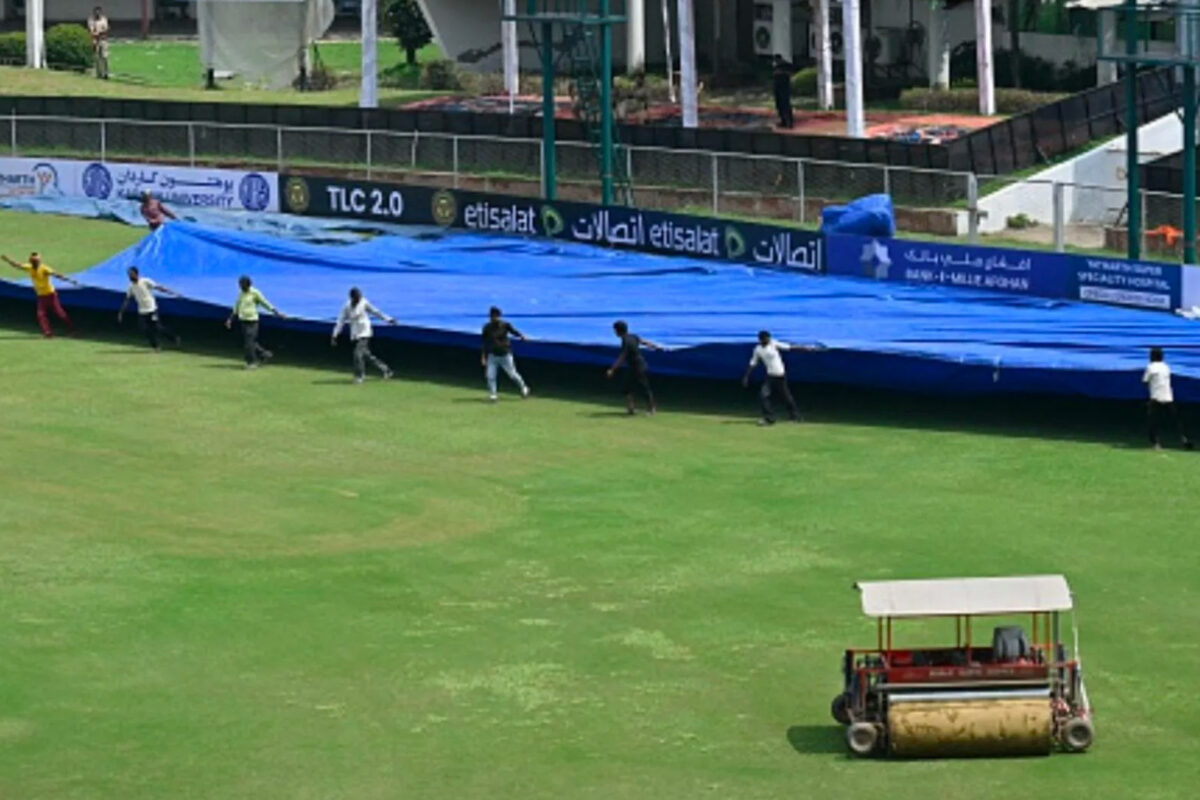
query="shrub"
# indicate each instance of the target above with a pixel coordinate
(440, 76)
(1037, 73)
(1021, 221)
(1008, 101)
(12, 48)
(68, 46)
(804, 82)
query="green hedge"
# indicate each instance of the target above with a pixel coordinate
(1008, 101)
(804, 82)
(68, 46)
(12, 49)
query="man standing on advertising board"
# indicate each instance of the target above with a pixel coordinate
(47, 298)
(154, 212)
(245, 308)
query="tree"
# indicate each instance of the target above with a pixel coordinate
(409, 26)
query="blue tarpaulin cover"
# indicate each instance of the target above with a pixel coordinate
(867, 216)
(566, 296)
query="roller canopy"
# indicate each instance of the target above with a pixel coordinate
(966, 596)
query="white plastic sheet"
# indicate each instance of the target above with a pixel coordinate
(261, 41)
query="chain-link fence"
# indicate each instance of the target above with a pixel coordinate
(928, 201)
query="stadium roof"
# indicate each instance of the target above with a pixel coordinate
(966, 596)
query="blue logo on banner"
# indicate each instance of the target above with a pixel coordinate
(254, 192)
(97, 181)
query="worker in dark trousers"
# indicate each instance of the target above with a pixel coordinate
(768, 353)
(781, 78)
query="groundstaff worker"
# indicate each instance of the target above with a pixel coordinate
(357, 315)
(245, 309)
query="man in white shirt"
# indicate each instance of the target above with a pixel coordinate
(357, 315)
(98, 27)
(1157, 378)
(141, 291)
(768, 352)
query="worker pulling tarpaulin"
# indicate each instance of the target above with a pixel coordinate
(263, 42)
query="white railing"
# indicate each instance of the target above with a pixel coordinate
(932, 201)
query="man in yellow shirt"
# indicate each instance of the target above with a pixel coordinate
(245, 309)
(47, 298)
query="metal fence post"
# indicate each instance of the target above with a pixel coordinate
(887, 180)
(972, 208)
(278, 149)
(716, 186)
(454, 158)
(103, 140)
(13, 131)
(413, 158)
(1060, 239)
(800, 187)
(368, 133)
(191, 131)
(629, 164)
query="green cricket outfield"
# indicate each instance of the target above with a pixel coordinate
(274, 584)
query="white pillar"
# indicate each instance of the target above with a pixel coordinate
(1106, 71)
(852, 38)
(687, 64)
(508, 41)
(824, 55)
(938, 47)
(984, 60)
(368, 96)
(635, 36)
(666, 22)
(781, 29)
(35, 49)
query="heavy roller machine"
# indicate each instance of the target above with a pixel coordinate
(1017, 695)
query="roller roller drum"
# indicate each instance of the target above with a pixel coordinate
(970, 727)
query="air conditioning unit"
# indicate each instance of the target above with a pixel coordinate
(837, 43)
(772, 31)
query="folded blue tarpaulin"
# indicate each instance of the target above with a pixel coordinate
(566, 296)
(867, 216)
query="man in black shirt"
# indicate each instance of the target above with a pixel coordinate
(781, 78)
(497, 352)
(636, 372)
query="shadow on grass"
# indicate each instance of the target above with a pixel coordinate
(1075, 419)
(818, 739)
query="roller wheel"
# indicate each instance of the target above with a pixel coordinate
(1077, 735)
(840, 708)
(862, 738)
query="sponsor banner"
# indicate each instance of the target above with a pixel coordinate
(36, 177)
(1191, 287)
(646, 231)
(1032, 273)
(333, 198)
(182, 186)
(230, 190)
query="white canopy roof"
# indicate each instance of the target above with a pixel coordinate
(954, 596)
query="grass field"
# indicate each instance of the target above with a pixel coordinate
(170, 70)
(273, 584)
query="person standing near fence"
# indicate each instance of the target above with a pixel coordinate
(781, 79)
(141, 290)
(357, 315)
(637, 372)
(1157, 378)
(42, 276)
(768, 352)
(97, 25)
(497, 352)
(245, 309)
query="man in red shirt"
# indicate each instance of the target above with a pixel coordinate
(154, 212)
